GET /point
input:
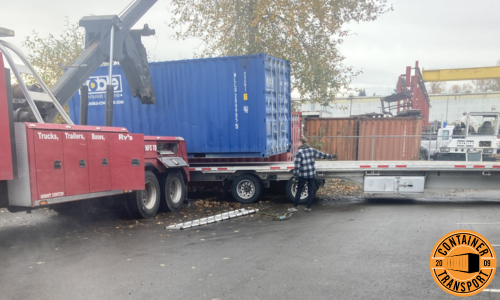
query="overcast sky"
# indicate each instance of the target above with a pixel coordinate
(438, 33)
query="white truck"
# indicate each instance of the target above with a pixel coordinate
(430, 144)
(469, 144)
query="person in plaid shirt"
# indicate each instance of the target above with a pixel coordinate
(305, 171)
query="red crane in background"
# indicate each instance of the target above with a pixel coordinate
(411, 98)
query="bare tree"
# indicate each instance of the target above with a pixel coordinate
(436, 87)
(461, 88)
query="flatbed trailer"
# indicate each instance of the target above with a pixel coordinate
(396, 177)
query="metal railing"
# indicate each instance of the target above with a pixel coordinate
(408, 147)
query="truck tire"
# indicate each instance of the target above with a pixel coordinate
(246, 188)
(291, 190)
(174, 191)
(144, 204)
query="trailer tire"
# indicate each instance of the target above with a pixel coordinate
(246, 188)
(144, 204)
(174, 191)
(291, 190)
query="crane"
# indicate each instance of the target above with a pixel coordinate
(108, 38)
(461, 74)
(412, 96)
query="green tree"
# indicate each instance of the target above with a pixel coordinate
(306, 32)
(50, 54)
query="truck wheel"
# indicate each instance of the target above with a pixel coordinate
(144, 204)
(174, 191)
(291, 190)
(246, 188)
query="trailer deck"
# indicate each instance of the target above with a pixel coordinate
(375, 176)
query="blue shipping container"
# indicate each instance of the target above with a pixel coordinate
(223, 107)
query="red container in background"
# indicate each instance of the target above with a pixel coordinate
(389, 138)
(367, 138)
(333, 135)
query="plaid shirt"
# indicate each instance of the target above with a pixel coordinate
(304, 161)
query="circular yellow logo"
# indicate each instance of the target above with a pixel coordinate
(463, 263)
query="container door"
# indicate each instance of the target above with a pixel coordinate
(127, 161)
(76, 169)
(49, 164)
(277, 106)
(99, 167)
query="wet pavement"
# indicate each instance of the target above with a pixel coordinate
(349, 247)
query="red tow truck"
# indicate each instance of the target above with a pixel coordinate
(43, 164)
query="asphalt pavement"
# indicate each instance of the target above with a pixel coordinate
(349, 248)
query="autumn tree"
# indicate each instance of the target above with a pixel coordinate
(305, 32)
(50, 54)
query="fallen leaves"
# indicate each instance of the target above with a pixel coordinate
(216, 204)
(340, 187)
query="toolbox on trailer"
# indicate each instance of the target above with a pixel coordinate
(59, 163)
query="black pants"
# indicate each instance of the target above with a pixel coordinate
(311, 188)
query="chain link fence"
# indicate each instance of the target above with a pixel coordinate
(396, 139)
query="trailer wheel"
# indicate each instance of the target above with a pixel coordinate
(246, 188)
(291, 190)
(174, 190)
(144, 204)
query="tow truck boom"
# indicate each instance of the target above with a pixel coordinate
(127, 49)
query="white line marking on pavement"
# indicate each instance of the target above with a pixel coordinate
(491, 290)
(495, 245)
(493, 223)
